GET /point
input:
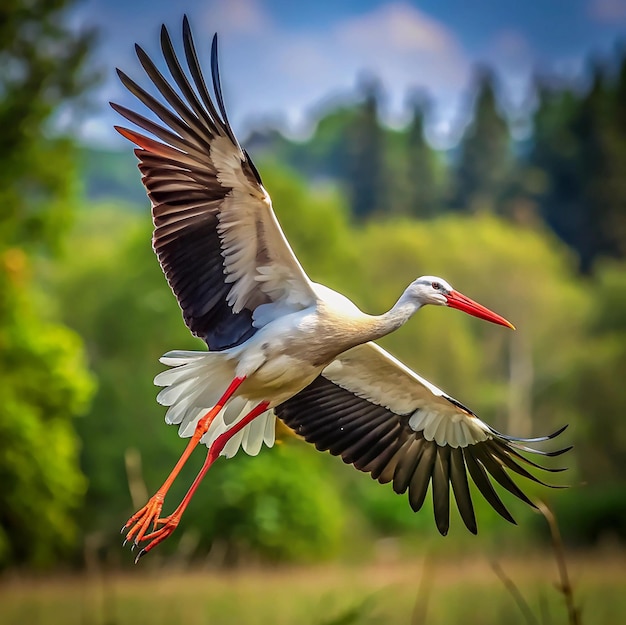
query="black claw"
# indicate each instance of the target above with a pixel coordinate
(123, 528)
(140, 554)
(124, 543)
(134, 546)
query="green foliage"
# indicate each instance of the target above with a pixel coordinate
(379, 170)
(602, 518)
(43, 384)
(280, 505)
(107, 174)
(118, 300)
(315, 220)
(595, 384)
(42, 61)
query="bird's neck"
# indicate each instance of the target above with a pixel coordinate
(396, 317)
(347, 327)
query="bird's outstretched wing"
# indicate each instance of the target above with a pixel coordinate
(381, 417)
(216, 235)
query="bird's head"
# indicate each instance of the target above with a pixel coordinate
(434, 290)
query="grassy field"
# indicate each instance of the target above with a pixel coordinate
(434, 592)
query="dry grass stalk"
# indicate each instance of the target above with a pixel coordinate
(514, 591)
(134, 474)
(565, 585)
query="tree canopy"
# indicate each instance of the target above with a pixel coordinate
(44, 381)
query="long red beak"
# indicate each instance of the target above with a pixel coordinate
(461, 302)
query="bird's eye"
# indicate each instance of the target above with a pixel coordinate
(436, 286)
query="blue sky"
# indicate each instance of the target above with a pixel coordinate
(282, 60)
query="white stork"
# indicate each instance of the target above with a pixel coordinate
(280, 345)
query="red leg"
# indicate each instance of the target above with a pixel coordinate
(171, 522)
(140, 521)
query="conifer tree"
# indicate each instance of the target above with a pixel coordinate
(484, 159)
(421, 162)
(366, 154)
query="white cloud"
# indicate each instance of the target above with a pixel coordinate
(236, 16)
(403, 46)
(273, 69)
(269, 71)
(405, 29)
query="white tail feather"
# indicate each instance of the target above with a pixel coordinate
(233, 445)
(171, 394)
(180, 357)
(269, 436)
(253, 437)
(194, 385)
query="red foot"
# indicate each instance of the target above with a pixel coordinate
(141, 520)
(155, 537)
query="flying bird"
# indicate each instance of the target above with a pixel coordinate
(279, 345)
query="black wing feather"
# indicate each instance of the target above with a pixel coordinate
(441, 489)
(217, 88)
(378, 441)
(184, 188)
(407, 465)
(421, 478)
(460, 488)
(183, 83)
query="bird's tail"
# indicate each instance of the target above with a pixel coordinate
(194, 384)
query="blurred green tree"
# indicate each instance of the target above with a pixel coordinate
(596, 384)
(282, 505)
(481, 173)
(592, 386)
(43, 377)
(381, 170)
(567, 170)
(579, 154)
(424, 198)
(602, 128)
(366, 152)
(43, 383)
(43, 75)
(617, 218)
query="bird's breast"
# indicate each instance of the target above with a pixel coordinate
(279, 379)
(287, 354)
(281, 359)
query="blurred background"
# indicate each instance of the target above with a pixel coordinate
(484, 142)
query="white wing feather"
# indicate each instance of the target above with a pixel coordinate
(370, 372)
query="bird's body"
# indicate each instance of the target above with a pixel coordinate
(286, 353)
(279, 344)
